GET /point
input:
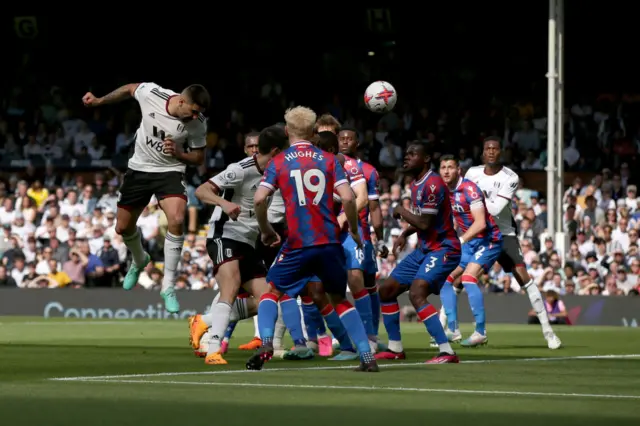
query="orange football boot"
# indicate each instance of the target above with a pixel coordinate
(254, 344)
(197, 328)
(215, 359)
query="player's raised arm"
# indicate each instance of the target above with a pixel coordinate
(474, 197)
(120, 94)
(210, 191)
(503, 197)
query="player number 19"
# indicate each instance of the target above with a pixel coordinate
(306, 182)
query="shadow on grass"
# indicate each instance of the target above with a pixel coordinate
(71, 412)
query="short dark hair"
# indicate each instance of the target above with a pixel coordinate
(197, 94)
(251, 135)
(349, 129)
(449, 157)
(426, 148)
(271, 137)
(492, 139)
(328, 141)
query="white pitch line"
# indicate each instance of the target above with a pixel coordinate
(374, 388)
(337, 367)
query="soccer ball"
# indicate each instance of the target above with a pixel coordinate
(380, 97)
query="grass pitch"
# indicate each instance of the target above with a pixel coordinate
(123, 373)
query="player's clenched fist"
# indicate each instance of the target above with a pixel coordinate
(169, 148)
(89, 100)
(232, 210)
(270, 238)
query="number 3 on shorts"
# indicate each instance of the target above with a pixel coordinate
(431, 264)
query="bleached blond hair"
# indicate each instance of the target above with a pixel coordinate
(300, 122)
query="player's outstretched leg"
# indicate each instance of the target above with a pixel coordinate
(428, 314)
(293, 321)
(174, 208)
(389, 292)
(537, 302)
(126, 226)
(339, 332)
(449, 300)
(347, 352)
(355, 328)
(476, 302)
(267, 317)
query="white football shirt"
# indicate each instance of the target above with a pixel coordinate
(238, 184)
(502, 184)
(276, 212)
(157, 125)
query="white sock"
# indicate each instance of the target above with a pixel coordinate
(446, 348)
(239, 310)
(172, 254)
(134, 244)
(443, 318)
(304, 326)
(395, 346)
(279, 331)
(538, 305)
(255, 326)
(207, 318)
(515, 286)
(220, 320)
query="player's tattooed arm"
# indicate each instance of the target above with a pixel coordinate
(421, 222)
(120, 94)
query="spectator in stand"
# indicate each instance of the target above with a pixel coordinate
(6, 280)
(555, 308)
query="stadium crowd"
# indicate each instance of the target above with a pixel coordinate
(58, 226)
